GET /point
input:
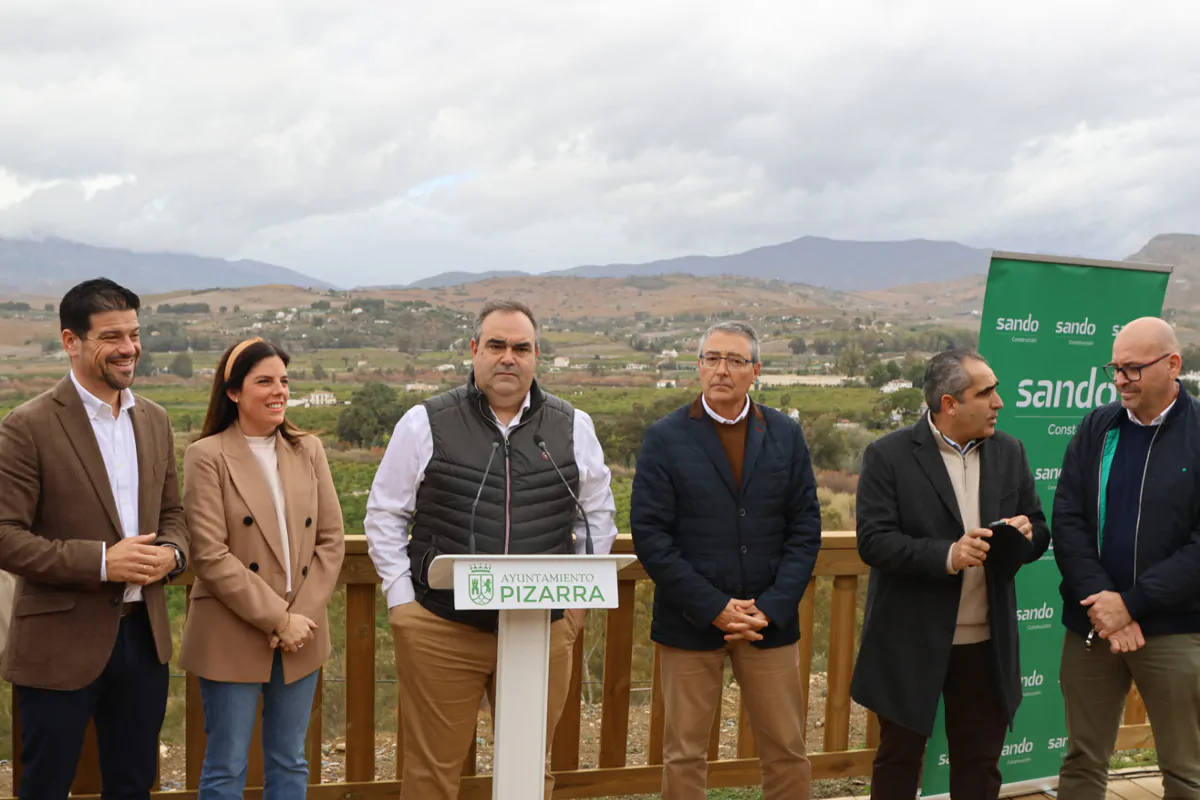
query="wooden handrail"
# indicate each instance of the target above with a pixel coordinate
(838, 564)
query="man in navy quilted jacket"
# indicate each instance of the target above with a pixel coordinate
(726, 522)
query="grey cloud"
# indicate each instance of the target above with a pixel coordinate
(321, 135)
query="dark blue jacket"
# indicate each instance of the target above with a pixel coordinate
(1165, 597)
(703, 540)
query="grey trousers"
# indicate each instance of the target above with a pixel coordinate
(1094, 686)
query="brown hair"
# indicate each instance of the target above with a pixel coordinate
(93, 297)
(223, 412)
(510, 306)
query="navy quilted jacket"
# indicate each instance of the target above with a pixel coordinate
(703, 540)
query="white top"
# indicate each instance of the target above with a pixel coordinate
(393, 497)
(263, 448)
(1154, 422)
(118, 448)
(718, 418)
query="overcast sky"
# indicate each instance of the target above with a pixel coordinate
(382, 141)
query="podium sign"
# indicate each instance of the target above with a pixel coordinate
(524, 589)
(534, 582)
(1049, 322)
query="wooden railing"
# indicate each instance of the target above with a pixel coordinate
(836, 756)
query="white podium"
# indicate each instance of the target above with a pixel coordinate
(524, 589)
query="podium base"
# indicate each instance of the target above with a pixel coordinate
(522, 676)
(524, 589)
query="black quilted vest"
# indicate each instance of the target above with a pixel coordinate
(524, 507)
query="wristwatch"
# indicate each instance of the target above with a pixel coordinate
(179, 562)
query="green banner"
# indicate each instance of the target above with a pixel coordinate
(1047, 329)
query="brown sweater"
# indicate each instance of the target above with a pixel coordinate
(733, 440)
(733, 437)
(972, 624)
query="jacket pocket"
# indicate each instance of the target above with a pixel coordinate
(43, 603)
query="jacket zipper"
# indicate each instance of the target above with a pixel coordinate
(507, 496)
(505, 432)
(1099, 499)
(1137, 528)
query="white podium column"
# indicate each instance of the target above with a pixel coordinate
(524, 589)
(522, 675)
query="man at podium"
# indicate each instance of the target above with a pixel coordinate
(726, 522)
(496, 466)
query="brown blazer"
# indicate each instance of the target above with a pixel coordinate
(56, 510)
(237, 556)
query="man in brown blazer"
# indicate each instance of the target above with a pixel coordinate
(92, 526)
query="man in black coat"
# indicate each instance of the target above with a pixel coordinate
(1127, 541)
(940, 618)
(725, 520)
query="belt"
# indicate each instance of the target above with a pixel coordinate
(128, 609)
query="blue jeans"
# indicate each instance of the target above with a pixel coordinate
(229, 710)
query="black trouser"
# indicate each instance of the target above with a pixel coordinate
(128, 702)
(976, 724)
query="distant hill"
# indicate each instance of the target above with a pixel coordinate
(842, 265)
(53, 265)
(846, 266)
(1182, 251)
(573, 297)
(451, 279)
(1177, 249)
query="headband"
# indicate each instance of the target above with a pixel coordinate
(237, 351)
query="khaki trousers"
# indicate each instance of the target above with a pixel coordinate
(443, 669)
(770, 686)
(1094, 685)
(8, 589)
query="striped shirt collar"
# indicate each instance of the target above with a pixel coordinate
(961, 449)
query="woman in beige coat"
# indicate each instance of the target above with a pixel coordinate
(267, 547)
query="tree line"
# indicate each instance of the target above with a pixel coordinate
(375, 409)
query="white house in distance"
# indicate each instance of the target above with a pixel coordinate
(669, 353)
(321, 397)
(667, 384)
(895, 386)
(444, 368)
(562, 361)
(776, 379)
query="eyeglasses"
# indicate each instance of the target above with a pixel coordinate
(735, 362)
(1132, 373)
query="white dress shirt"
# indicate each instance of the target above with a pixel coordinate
(118, 448)
(263, 448)
(393, 497)
(721, 420)
(1154, 422)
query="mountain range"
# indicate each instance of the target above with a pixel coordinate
(49, 266)
(847, 266)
